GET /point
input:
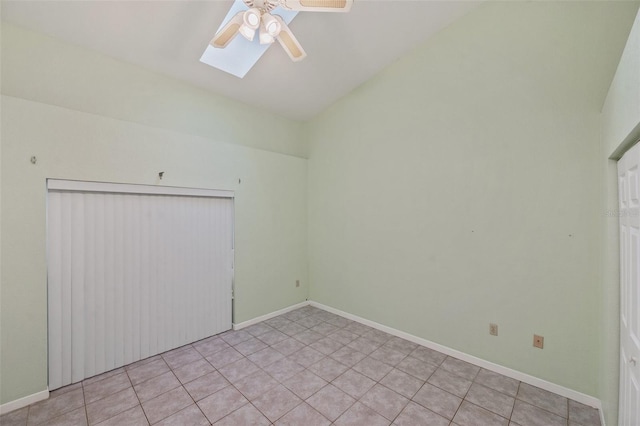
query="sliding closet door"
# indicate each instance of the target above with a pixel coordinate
(133, 271)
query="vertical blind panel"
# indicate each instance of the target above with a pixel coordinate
(133, 275)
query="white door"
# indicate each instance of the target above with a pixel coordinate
(133, 271)
(629, 203)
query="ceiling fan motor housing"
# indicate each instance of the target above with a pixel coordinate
(264, 5)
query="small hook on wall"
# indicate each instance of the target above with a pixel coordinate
(34, 160)
(160, 175)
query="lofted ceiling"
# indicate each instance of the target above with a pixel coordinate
(344, 49)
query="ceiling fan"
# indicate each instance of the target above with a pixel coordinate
(272, 27)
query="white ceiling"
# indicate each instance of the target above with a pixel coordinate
(344, 49)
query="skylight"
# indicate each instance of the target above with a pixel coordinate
(241, 54)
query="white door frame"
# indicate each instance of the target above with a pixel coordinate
(629, 226)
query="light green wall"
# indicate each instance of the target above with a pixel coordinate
(620, 129)
(461, 186)
(94, 142)
(46, 70)
(441, 194)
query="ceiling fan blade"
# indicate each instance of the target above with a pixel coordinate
(289, 42)
(317, 5)
(228, 32)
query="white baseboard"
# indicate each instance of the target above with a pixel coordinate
(265, 317)
(23, 402)
(514, 374)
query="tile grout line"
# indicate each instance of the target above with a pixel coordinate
(311, 327)
(514, 402)
(182, 385)
(84, 399)
(356, 400)
(544, 409)
(464, 398)
(144, 413)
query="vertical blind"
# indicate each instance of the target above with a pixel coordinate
(133, 272)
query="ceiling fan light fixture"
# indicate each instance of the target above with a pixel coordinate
(247, 32)
(269, 29)
(252, 17)
(265, 37)
(250, 23)
(271, 25)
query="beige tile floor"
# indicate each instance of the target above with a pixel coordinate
(307, 367)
